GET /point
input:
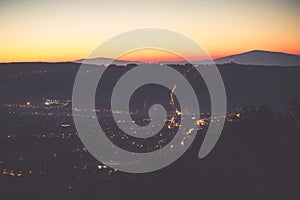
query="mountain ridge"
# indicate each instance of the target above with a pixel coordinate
(253, 57)
(261, 57)
(106, 61)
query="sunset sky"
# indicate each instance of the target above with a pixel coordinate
(68, 30)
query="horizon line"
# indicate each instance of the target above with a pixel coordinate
(153, 60)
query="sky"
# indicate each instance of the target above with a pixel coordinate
(66, 30)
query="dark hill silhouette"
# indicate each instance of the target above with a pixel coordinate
(259, 57)
(106, 61)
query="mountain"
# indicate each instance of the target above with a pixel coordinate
(259, 57)
(106, 61)
(255, 57)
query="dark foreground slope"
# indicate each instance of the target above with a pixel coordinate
(257, 156)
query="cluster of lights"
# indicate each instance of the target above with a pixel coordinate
(13, 173)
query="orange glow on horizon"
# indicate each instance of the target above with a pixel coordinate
(150, 55)
(156, 55)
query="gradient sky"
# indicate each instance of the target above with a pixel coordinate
(68, 30)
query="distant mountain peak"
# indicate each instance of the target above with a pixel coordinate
(258, 50)
(105, 61)
(261, 57)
